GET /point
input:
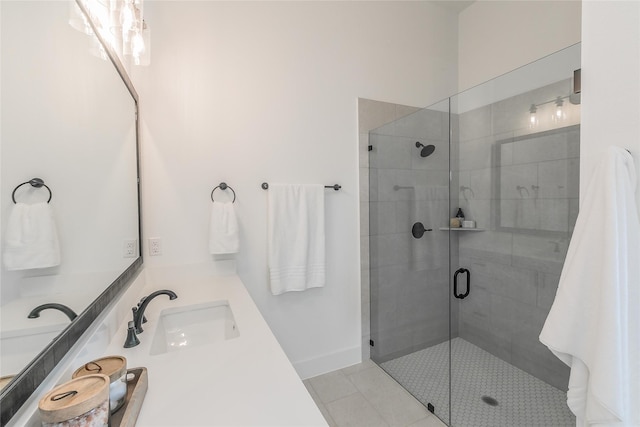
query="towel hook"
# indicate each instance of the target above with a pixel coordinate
(224, 186)
(34, 182)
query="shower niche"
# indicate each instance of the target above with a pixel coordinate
(514, 170)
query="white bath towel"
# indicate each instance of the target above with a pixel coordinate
(594, 323)
(223, 229)
(296, 237)
(31, 239)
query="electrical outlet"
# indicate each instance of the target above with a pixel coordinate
(155, 246)
(129, 249)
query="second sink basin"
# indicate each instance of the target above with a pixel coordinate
(194, 325)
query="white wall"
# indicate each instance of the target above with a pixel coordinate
(610, 81)
(246, 92)
(611, 115)
(498, 36)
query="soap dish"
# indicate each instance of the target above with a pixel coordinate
(137, 384)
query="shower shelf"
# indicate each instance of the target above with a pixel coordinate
(460, 229)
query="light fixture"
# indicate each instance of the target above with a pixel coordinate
(558, 113)
(121, 25)
(533, 117)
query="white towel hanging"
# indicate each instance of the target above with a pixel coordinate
(594, 323)
(31, 239)
(296, 237)
(223, 229)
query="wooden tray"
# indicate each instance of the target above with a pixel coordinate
(136, 390)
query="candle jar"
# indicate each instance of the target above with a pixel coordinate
(115, 367)
(81, 402)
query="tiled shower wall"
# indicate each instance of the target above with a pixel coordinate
(524, 191)
(409, 276)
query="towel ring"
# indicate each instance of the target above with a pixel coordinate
(34, 182)
(224, 186)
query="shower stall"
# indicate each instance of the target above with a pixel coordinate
(457, 304)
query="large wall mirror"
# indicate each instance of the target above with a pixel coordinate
(537, 180)
(68, 118)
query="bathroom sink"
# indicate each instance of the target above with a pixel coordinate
(194, 325)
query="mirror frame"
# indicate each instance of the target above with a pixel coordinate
(496, 180)
(18, 391)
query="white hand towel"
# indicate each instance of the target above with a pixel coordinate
(31, 239)
(594, 322)
(296, 237)
(223, 229)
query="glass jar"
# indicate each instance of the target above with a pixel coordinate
(115, 367)
(81, 402)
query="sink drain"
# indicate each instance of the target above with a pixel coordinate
(490, 400)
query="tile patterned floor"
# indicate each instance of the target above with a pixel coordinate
(523, 400)
(364, 395)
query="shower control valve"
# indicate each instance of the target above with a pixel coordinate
(418, 230)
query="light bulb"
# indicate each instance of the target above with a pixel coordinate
(127, 17)
(533, 118)
(144, 57)
(137, 47)
(558, 113)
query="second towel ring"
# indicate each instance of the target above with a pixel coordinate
(223, 186)
(34, 182)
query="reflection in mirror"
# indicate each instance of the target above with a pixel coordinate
(68, 119)
(538, 182)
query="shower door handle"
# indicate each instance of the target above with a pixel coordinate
(455, 283)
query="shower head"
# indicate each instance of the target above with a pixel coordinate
(426, 150)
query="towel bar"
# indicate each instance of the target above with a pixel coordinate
(34, 182)
(265, 186)
(223, 186)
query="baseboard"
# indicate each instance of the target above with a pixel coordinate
(327, 363)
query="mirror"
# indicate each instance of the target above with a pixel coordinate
(537, 182)
(69, 119)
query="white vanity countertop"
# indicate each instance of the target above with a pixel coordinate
(245, 381)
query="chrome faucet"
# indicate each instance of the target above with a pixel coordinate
(52, 305)
(138, 312)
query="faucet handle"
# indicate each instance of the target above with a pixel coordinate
(132, 340)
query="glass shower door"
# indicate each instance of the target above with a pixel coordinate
(409, 253)
(516, 175)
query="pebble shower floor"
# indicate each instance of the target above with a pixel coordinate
(523, 400)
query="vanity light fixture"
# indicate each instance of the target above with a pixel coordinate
(120, 24)
(558, 113)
